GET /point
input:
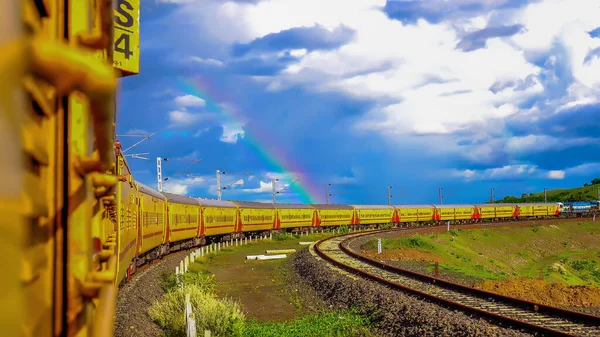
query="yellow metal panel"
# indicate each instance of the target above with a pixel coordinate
(183, 221)
(464, 213)
(526, 211)
(505, 211)
(375, 216)
(257, 219)
(415, 214)
(335, 217)
(127, 216)
(487, 212)
(152, 222)
(446, 213)
(219, 220)
(126, 54)
(289, 217)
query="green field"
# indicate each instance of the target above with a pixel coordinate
(565, 252)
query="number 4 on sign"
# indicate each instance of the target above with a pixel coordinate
(126, 50)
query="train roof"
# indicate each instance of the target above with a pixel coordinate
(147, 190)
(294, 206)
(180, 199)
(372, 206)
(216, 203)
(455, 206)
(538, 204)
(497, 205)
(329, 206)
(413, 206)
(254, 204)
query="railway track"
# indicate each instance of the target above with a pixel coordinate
(549, 321)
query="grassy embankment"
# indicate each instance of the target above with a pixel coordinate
(566, 252)
(552, 264)
(586, 192)
(253, 298)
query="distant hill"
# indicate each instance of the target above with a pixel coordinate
(589, 191)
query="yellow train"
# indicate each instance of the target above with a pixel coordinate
(75, 222)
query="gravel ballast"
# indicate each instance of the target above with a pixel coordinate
(396, 313)
(138, 294)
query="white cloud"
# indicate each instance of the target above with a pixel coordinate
(185, 119)
(537, 143)
(346, 179)
(588, 169)
(209, 61)
(527, 171)
(190, 101)
(177, 1)
(556, 174)
(181, 185)
(500, 173)
(373, 67)
(231, 133)
(264, 187)
(200, 132)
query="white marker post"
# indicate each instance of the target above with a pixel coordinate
(448, 226)
(378, 245)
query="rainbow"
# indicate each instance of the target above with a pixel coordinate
(258, 140)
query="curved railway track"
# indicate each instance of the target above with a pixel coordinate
(549, 321)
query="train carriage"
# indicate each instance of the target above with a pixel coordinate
(152, 219)
(256, 216)
(334, 215)
(128, 235)
(294, 215)
(493, 211)
(415, 213)
(538, 209)
(219, 217)
(374, 214)
(183, 215)
(456, 212)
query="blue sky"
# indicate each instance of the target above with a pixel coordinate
(465, 95)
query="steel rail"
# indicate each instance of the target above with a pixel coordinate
(524, 305)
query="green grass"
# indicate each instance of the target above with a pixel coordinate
(589, 192)
(262, 287)
(324, 324)
(222, 316)
(566, 252)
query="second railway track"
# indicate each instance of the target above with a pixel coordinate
(549, 321)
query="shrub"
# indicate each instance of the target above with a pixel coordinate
(222, 317)
(581, 265)
(343, 230)
(281, 236)
(386, 226)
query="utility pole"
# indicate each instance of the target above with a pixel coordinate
(492, 195)
(545, 195)
(274, 189)
(327, 193)
(219, 184)
(389, 190)
(159, 173)
(441, 195)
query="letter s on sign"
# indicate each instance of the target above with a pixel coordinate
(128, 22)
